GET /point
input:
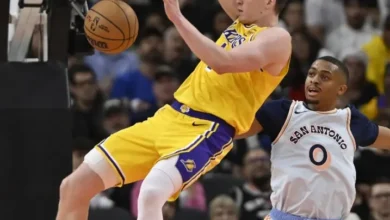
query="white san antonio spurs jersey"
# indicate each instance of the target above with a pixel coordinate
(313, 174)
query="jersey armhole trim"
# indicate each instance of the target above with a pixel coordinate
(349, 128)
(290, 111)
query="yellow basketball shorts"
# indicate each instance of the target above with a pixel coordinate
(200, 140)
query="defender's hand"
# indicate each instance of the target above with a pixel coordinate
(172, 9)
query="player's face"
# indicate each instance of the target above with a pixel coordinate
(250, 11)
(324, 84)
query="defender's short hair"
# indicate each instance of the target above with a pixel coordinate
(341, 66)
(280, 5)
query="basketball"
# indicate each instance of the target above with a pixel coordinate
(111, 26)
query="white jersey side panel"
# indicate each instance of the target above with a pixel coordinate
(313, 174)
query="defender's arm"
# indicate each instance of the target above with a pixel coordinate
(255, 128)
(270, 119)
(271, 46)
(229, 6)
(383, 139)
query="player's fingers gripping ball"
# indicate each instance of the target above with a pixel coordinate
(111, 26)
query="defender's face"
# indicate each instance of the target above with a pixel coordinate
(250, 10)
(322, 84)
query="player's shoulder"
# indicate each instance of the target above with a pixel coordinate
(354, 113)
(273, 115)
(275, 107)
(275, 32)
(280, 102)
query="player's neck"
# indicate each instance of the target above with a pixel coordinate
(270, 21)
(321, 107)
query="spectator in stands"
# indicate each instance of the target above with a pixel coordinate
(380, 200)
(253, 198)
(383, 119)
(194, 197)
(323, 17)
(369, 166)
(293, 16)
(378, 52)
(360, 206)
(137, 86)
(170, 210)
(87, 104)
(374, 19)
(190, 9)
(156, 20)
(176, 54)
(165, 84)
(223, 208)
(384, 9)
(361, 93)
(352, 34)
(109, 66)
(116, 115)
(220, 22)
(305, 51)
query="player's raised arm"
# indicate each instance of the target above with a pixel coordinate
(367, 133)
(270, 49)
(383, 139)
(229, 6)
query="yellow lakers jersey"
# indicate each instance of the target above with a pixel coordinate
(234, 97)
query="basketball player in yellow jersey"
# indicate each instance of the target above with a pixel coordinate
(184, 140)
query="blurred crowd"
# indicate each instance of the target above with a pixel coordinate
(112, 92)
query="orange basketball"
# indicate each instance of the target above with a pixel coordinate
(111, 26)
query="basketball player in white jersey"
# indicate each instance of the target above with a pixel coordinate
(313, 175)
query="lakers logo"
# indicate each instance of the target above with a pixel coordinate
(184, 109)
(189, 165)
(95, 23)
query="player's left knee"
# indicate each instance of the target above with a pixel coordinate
(81, 186)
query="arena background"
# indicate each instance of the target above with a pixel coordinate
(59, 97)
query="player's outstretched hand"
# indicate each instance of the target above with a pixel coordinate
(172, 9)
